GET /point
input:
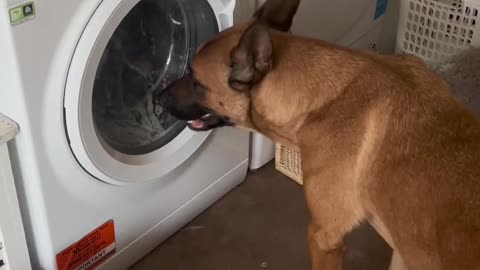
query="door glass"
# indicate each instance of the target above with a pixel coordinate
(150, 48)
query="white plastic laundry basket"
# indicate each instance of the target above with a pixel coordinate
(436, 29)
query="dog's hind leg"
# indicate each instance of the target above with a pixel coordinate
(324, 254)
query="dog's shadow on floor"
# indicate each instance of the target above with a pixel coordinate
(259, 225)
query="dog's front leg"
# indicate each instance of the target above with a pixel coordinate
(334, 211)
(326, 249)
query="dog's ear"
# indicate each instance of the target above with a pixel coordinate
(252, 57)
(278, 14)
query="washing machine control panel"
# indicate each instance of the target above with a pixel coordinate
(20, 11)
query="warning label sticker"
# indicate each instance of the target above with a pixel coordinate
(90, 251)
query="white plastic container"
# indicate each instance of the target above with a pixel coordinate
(436, 29)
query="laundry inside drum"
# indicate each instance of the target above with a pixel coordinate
(148, 50)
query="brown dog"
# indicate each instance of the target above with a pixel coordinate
(382, 139)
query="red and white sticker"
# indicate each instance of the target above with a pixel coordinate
(89, 251)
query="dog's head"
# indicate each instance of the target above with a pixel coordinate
(218, 89)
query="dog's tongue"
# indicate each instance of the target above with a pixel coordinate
(196, 123)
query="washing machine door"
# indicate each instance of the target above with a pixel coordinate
(127, 50)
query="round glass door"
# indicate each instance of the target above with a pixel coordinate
(149, 49)
(128, 49)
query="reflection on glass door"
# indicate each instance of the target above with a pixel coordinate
(150, 48)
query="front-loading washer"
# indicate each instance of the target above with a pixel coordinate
(101, 181)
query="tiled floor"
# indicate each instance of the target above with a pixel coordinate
(259, 225)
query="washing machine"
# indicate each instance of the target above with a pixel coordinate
(101, 181)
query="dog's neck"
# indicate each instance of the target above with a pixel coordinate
(321, 70)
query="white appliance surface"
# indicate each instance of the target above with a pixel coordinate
(346, 22)
(71, 177)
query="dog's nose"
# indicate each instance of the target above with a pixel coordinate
(160, 100)
(162, 96)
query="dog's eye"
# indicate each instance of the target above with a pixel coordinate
(198, 88)
(195, 84)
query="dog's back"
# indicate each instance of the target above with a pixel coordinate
(395, 135)
(427, 174)
(411, 153)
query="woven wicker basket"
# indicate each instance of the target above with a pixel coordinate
(288, 162)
